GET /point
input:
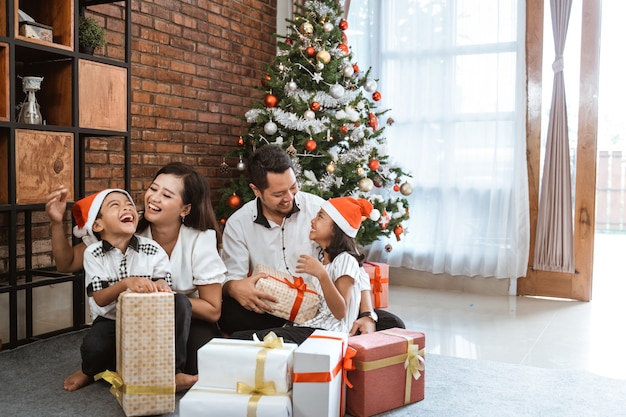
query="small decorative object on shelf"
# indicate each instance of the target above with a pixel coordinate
(90, 35)
(29, 109)
(34, 30)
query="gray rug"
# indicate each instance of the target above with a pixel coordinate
(31, 379)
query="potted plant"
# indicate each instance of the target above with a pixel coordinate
(90, 35)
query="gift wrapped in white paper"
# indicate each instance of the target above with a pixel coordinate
(267, 364)
(225, 403)
(297, 301)
(318, 383)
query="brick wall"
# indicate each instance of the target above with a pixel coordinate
(194, 73)
(195, 66)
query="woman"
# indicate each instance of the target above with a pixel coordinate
(179, 216)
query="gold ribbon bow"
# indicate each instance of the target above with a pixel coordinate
(270, 340)
(113, 378)
(414, 362)
(266, 388)
(118, 387)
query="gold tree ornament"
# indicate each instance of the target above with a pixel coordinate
(291, 151)
(306, 28)
(366, 185)
(406, 189)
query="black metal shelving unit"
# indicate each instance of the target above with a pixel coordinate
(19, 280)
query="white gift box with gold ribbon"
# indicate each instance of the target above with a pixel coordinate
(318, 374)
(227, 403)
(145, 382)
(245, 365)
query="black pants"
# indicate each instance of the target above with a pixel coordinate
(235, 318)
(200, 333)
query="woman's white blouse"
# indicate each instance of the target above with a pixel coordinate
(194, 260)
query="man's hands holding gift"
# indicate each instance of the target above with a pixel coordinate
(245, 292)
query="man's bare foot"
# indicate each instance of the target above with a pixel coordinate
(185, 381)
(76, 381)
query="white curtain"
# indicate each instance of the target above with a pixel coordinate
(554, 244)
(453, 74)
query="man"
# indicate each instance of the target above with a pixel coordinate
(273, 230)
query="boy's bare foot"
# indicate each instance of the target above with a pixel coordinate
(76, 381)
(185, 381)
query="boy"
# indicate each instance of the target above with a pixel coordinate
(117, 261)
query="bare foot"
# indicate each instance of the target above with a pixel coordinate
(185, 381)
(76, 381)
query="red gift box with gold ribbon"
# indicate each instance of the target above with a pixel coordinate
(389, 371)
(379, 280)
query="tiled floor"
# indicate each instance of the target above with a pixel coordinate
(538, 332)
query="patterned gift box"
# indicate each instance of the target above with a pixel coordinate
(145, 382)
(227, 403)
(297, 302)
(379, 280)
(244, 365)
(318, 374)
(389, 371)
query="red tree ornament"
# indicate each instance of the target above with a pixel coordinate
(240, 141)
(310, 51)
(374, 164)
(373, 121)
(343, 24)
(398, 230)
(344, 129)
(355, 67)
(234, 201)
(343, 47)
(376, 96)
(315, 106)
(396, 187)
(270, 100)
(310, 145)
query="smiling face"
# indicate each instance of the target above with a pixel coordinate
(163, 201)
(277, 198)
(117, 217)
(322, 229)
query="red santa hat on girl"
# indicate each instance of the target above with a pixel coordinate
(348, 212)
(86, 211)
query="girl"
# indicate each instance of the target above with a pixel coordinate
(335, 276)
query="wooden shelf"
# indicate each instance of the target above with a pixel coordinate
(58, 14)
(5, 93)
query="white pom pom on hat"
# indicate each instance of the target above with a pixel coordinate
(348, 212)
(86, 211)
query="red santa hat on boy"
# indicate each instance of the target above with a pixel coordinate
(86, 210)
(348, 212)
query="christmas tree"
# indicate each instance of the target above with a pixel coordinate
(321, 108)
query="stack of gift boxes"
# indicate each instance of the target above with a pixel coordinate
(330, 374)
(327, 375)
